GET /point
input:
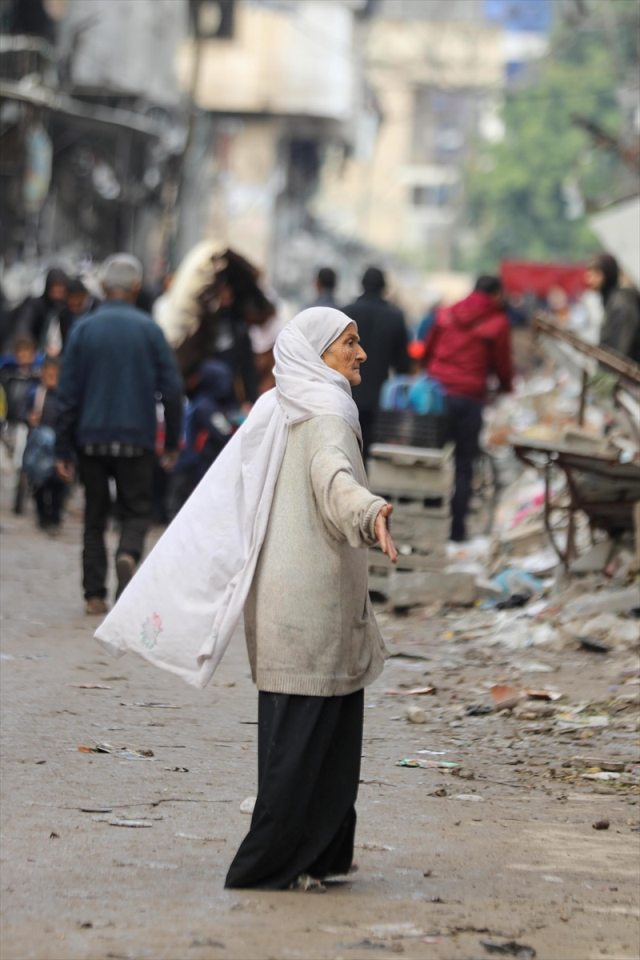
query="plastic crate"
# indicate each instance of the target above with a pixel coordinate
(411, 429)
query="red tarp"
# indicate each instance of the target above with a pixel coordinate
(522, 276)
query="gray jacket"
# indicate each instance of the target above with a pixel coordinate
(309, 623)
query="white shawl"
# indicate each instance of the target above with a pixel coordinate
(181, 608)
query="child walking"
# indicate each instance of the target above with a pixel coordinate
(41, 416)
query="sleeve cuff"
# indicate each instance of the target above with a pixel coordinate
(369, 520)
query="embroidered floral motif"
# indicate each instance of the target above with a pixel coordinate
(151, 629)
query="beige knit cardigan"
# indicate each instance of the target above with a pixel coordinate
(309, 624)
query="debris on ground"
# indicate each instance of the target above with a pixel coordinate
(248, 805)
(416, 715)
(127, 753)
(510, 948)
(427, 764)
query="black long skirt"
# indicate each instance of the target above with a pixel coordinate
(304, 821)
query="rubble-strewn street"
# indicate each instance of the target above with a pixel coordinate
(123, 853)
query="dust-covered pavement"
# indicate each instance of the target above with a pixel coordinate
(503, 851)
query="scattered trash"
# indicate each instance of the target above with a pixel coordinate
(127, 753)
(375, 846)
(363, 945)
(160, 706)
(427, 764)
(505, 697)
(474, 797)
(88, 686)
(601, 825)
(124, 822)
(601, 776)
(191, 836)
(248, 805)
(550, 878)
(603, 601)
(544, 695)
(416, 715)
(517, 586)
(571, 719)
(510, 948)
(416, 692)
(478, 709)
(56, 836)
(177, 769)
(408, 655)
(390, 931)
(597, 646)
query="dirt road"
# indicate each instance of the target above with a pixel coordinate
(504, 851)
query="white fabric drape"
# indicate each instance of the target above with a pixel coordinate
(180, 609)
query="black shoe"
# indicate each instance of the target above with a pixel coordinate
(125, 569)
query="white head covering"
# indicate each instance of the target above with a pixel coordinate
(184, 603)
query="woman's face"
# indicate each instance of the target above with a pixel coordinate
(345, 355)
(594, 278)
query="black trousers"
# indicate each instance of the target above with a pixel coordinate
(466, 423)
(49, 500)
(304, 821)
(134, 485)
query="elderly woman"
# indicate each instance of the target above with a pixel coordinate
(278, 528)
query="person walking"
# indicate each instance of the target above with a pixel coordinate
(279, 528)
(39, 317)
(621, 328)
(384, 338)
(117, 362)
(326, 283)
(467, 342)
(41, 414)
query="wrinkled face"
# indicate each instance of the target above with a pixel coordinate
(345, 355)
(594, 278)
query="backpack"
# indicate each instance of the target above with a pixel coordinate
(39, 460)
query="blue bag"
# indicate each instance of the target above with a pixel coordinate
(39, 460)
(420, 394)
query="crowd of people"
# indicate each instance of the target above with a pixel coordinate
(92, 388)
(275, 529)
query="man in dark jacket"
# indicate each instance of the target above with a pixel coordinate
(467, 342)
(117, 363)
(326, 283)
(384, 338)
(39, 317)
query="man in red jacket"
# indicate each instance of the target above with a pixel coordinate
(467, 342)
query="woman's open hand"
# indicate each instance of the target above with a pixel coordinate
(383, 535)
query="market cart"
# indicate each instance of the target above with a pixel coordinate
(605, 489)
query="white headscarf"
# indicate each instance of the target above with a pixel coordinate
(181, 608)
